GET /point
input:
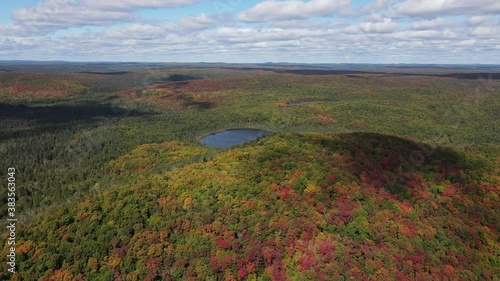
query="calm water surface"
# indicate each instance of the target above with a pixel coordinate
(228, 138)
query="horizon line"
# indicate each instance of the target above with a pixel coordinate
(268, 62)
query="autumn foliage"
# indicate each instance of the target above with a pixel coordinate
(114, 185)
(28, 87)
(289, 207)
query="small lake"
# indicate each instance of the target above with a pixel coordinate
(232, 137)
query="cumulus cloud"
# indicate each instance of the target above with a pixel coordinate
(489, 32)
(65, 13)
(130, 5)
(476, 20)
(376, 6)
(433, 8)
(164, 41)
(383, 31)
(239, 35)
(418, 35)
(198, 22)
(10, 44)
(311, 25)
(429, 24)
(140, 31)
(385, 26)
(11, 30)
(374, 25)
(52, 15)
(271, 10)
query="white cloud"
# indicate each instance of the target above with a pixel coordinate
(11, 30)
(130, 5)
(476, 20)
(271, 10)
(375, 25)
(417, 35)
(376, 6)
(487, 32)
(466, 43)
(433, 8)
(308, 24)
(273, 31)
(385, 26)
(53, 15)
(59, 14)
(9, 43)
(198, 22)
(431, 24)
(141, 31)
(230, 35)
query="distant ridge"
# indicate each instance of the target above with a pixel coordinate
(58, 66)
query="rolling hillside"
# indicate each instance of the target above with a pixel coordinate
(288, 207)
(370, 176)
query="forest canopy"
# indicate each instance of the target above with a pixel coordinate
(370, 176)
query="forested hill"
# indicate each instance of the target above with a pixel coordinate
(349, 206)
(370, 176)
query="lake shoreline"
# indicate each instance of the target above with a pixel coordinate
(199, 137)
(232, 137)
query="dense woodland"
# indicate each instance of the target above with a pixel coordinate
(370, 176)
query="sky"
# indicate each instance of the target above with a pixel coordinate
(252, 31)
